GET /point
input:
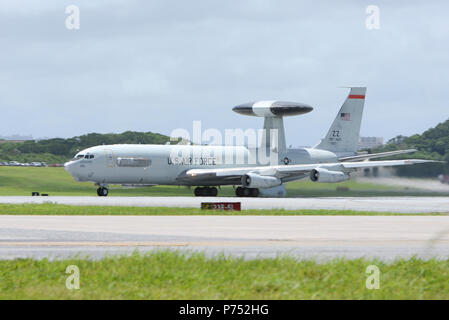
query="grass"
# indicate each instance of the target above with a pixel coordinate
(21, 181)
(59, 209)
(175, 275)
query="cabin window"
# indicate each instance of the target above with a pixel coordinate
(133, 162)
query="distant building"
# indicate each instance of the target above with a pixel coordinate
(16, 137)
(370, 142)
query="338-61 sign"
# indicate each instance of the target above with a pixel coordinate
(226, 206)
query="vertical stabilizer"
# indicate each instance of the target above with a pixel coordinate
(343, 135)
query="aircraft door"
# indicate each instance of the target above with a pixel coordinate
(109, 158)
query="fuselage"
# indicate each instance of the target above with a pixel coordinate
(163, 164)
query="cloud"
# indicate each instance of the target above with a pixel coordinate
(159, 65)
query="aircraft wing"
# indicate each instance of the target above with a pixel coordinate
(363, 157)
(285, 173)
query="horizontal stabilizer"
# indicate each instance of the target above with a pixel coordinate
(385, 163)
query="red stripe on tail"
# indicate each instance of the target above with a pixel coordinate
(356, 96)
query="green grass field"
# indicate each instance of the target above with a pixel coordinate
(174, 275)
(58, 209)
(22, 181)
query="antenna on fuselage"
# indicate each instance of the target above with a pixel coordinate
(273, 113)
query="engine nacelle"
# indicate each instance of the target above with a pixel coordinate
(326, 176)
(252, 180)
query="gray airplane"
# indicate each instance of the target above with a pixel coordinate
(206, 167)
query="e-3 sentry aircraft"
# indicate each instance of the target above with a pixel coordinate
(203, 166)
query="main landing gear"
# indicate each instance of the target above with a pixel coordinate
(206, 192)
(239, 192)
(247, 192)
(102, 192)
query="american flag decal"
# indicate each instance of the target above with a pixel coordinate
(345, 116)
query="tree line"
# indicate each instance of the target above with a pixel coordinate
(59, 150)
(433, 144)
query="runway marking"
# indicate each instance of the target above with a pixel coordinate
(90, 244)
(290, 243)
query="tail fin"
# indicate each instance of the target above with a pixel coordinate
(343, 135)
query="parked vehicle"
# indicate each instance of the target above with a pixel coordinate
(56, 165)
(18, 164)
(444, 178)
(38, 164)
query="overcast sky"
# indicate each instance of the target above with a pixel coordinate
(159, 65)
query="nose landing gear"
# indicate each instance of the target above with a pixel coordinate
(102, 192)
(206, 192)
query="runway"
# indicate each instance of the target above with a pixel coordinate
(317, 237)
(379, 204)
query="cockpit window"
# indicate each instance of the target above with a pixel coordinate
(78, 157)
(83, 156)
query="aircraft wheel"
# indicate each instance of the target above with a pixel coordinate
(207, 191)
(239, 192)
(102, 192)
(210, 191)
(246, 192)
(254, 192)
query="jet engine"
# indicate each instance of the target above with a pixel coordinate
(252, 180)
(326, 176)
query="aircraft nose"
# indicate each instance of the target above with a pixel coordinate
(70, 168)
(67, 166)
